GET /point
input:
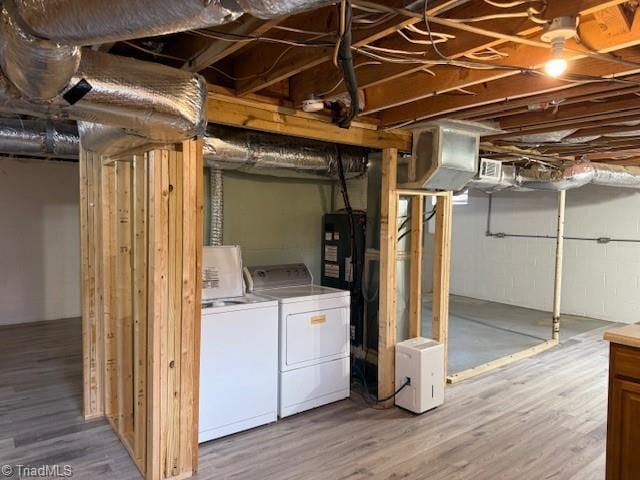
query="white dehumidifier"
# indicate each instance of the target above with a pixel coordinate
(422, 361)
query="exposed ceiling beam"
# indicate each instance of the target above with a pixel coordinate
(604, 119)
(607, 130)
(571, 112)
(257, 69)
(322, 80)
(245, 113)
(219, 49)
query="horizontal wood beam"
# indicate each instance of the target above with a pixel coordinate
(606, 130)
(237, 112)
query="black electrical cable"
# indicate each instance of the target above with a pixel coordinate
(345, 61)
(406, 383)
(424, 220)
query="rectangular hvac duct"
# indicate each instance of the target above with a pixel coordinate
(445, 155)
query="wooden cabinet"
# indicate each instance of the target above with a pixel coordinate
(623, 428)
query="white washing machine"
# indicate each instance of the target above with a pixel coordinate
(314, 365)
(238, 350)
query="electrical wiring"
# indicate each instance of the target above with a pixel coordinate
(341, 81)
(151, 52)
(341, 28)
(306, 32)
(419, 42)
(486, 56)
(394, 51)
(233, 37)
(415, 29)
(510, 4)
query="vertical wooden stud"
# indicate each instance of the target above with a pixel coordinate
(388, 253)
(91, 287)
(415, 284)
(441, 271)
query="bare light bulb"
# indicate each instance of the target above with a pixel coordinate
(557, 64)
(555, 67)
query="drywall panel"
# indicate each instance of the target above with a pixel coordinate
(600, 280)
(39, 241)
(275, 220)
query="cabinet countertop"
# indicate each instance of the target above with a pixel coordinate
(628, 335)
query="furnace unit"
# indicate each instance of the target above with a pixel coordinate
(339, 245)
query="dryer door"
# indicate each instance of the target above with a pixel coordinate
(317, 336)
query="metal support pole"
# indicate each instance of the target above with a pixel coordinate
(557, 291)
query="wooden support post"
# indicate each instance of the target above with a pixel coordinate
(91, 287)
(388, 249)
(175, 236)
(441, 272)
(415, 288)
(557, 291)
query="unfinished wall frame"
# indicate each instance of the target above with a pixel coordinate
(555, 320)
(388, 276)
(141, 228)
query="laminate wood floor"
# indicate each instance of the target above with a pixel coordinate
(542, 418)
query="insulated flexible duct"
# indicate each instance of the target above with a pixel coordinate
(262, 153)
(89, 22)
(277, 8)
(217, 207)
(572, 176)
(38, 138)
(161, 103)
(39, 69)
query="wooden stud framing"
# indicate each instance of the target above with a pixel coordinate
(388, 250)
(441, 272)
(91, 288)
(415, 288)
(141, 231)
(390, 197)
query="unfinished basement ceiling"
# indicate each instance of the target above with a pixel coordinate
(492, 72)
(488, 66)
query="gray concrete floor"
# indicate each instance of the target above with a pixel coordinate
(481, 331)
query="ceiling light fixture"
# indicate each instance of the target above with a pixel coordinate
(559, 31)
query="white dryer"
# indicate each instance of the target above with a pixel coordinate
(314, 341)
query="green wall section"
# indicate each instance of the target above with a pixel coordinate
(275, 220)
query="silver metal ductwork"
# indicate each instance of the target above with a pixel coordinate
(229, 148)
(88, 22)
(38, 138)
(161, 103)
(39, 69)
(40, 56)
(217, 207)
(278, 8)
(571, 176)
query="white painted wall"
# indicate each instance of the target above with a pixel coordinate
(600, 281)
(275, 220)
(39, 241)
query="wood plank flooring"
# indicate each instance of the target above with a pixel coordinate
(542, 418)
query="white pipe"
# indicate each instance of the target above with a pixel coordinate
(557, 289)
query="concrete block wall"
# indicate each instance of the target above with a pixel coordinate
(600, 280)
